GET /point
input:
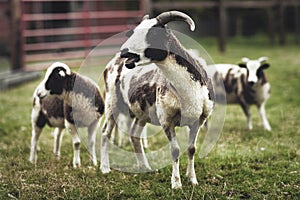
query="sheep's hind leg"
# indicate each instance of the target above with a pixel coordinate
(135, 133)
(92, 133)
(36, 132)
(76, 144)
(245, 108)
(190, 173)
(106, 133)
(58, 135)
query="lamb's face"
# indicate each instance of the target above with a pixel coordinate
(254, 68)
(54, 81)
(144, 40)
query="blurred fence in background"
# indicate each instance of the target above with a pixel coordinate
(221, 18)
(45, 30)
(69, 29)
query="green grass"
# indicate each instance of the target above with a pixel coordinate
(243, 165)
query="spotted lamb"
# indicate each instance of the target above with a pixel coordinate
(65, 99)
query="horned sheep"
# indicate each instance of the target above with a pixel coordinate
(154, 79)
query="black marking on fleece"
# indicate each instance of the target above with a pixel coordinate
(168, 44)
(141, 91)
(51, 108)
(56, 84)
(55, 81)
(41, 120)
(69, 115)
(230, 82)
(80, 85)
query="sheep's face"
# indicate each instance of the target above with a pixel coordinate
(147, 43)
(254, 69)
(54, 80)
(149, 40)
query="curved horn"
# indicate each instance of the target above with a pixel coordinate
(166, 17)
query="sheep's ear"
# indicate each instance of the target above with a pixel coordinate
(242, 65)
(245, 59)
(156, 54)
(264, 66)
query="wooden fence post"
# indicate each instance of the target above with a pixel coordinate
(16, 40)
(282, 40)
(297, 24)
(271, 25)
(222, 26)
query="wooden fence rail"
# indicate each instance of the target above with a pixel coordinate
(50, 32)
(39, 34)
(223, 6)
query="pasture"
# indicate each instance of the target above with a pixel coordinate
(243, 165)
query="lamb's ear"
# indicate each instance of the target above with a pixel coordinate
(264, 66)
(242, 65)
(156, 54)
(245, 59)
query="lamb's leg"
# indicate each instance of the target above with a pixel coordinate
(58, 135)
(135, 134)
(106, 133)
(175, 151)
(92, 133)
(76, 144)
(190, 173)
(245, 108)
(263, 116)
(35, 135)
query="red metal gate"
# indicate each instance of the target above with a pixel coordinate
(69, 29)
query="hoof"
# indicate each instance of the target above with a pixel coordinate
(194, 181)
(57, 156)
(144, 168)
(94, 162)
(76, 165)
(268, 129)
(176, 183)
(104, 169)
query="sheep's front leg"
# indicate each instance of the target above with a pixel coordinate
(58, 135)
(190, 173)
(35, 135)
(106, 133)
(76, 144)
(92, 133)
(263, 116)
(144, 138)
(135, 133)
(175, 151)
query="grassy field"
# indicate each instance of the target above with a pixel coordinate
(243, 165)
